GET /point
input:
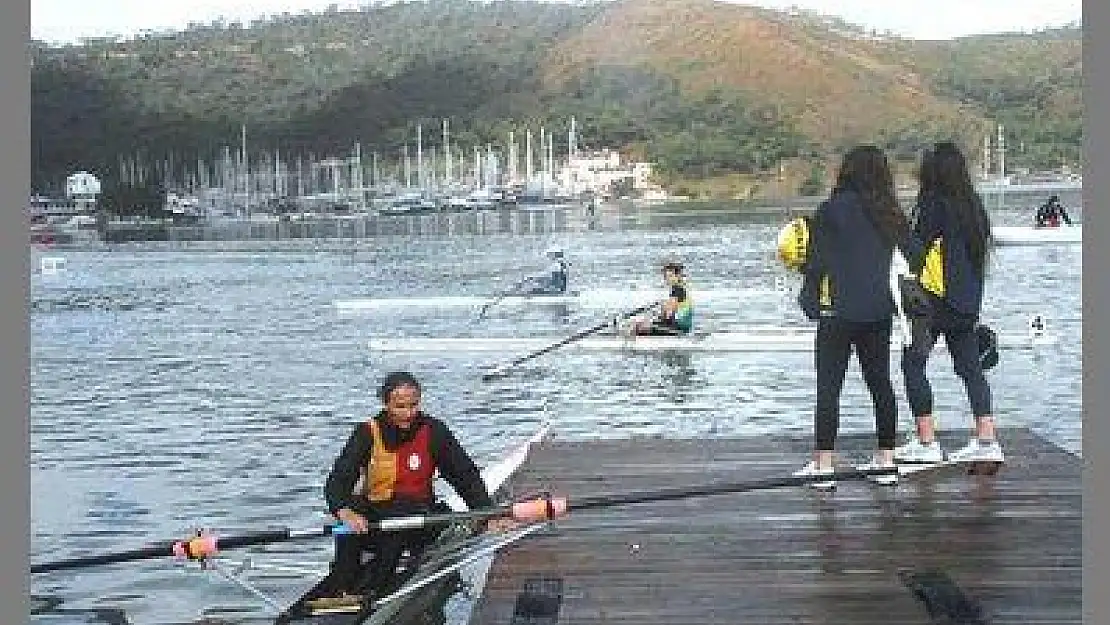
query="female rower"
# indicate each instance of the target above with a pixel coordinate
(395, 456)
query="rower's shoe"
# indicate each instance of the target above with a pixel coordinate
(811, 470)
(916, 452)
(978, 450)
(886, 479)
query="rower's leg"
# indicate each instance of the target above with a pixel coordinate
(346, 568)
(378, 576)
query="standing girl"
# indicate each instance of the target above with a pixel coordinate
(846, 290)
(953, 227)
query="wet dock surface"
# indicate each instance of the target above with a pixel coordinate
(940, 547)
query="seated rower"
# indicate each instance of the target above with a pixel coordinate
(551, 282)
(1051, 213)
(677, 315)
(394, 456)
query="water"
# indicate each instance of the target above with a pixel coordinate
(173, 390)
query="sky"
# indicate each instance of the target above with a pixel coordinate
(61, 21)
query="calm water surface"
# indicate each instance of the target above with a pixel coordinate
(180, 389)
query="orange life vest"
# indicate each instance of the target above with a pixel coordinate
(404, 473)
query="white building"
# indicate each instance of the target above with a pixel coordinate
(82, 186)
(597, 171)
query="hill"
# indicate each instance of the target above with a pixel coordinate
(706, 89)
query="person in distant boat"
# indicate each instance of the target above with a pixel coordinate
(392, 459)
(953, 232)
(1051, 213)
(553, 281)
(676, 318)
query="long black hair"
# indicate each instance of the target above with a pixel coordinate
(865, 171)
(944, 177)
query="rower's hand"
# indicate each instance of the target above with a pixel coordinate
(353, 520)
(501, 524)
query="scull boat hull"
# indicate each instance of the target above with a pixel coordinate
(775, 340)
(436, 573)
(1030, 235)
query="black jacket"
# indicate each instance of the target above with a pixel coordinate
(454, 464)
(847, 247)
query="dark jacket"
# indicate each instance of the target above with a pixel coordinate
(847, 248)
(454, 464)
(963, 286)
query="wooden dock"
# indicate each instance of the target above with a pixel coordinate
(937, 548)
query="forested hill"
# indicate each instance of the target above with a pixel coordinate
(703, 88)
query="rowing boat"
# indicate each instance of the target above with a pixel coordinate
(458, 546)
(600, 298)
(1031, 235)
(771, 339)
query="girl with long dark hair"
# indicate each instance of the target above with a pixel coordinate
(955, 232)
(846, 290)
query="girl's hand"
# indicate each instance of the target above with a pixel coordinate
(353, 520)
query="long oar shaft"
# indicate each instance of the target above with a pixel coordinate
(570, 339)
(184, 548)
(534, 510)
(500, 296)
(550, 508)
(687, 492)
(203, 546)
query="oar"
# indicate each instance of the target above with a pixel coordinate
(199, 547)
(498, 371)
(500, 296)
(529, 511)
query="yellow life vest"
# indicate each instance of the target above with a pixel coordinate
(381, 470)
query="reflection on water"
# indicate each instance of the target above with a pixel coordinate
(177, 389)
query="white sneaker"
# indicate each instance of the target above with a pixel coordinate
(886, 479)
(916, 452)
(811, 470)
(978, 451)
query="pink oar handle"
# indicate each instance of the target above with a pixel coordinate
(539, 509)
(195, 548)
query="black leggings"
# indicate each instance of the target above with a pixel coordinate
(349, 574)
(963, 347)
(832, 351)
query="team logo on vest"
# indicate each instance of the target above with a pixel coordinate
(414, 462)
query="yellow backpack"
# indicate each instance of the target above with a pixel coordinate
(932, 272)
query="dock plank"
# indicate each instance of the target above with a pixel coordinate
(1008, 546)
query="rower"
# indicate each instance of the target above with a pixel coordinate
(553, 281)
(1051, 213)
(394, 456)
(677, 315)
